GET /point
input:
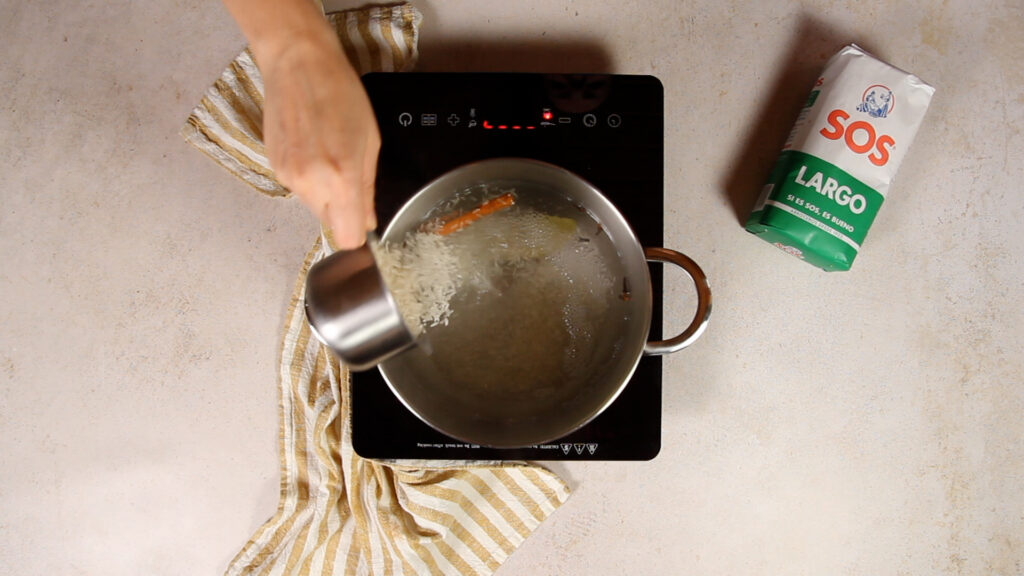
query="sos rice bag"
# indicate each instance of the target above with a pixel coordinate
(839, 161)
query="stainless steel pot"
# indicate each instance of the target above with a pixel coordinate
(514, 416)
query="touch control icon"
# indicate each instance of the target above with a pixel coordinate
(614, 120)
(405, 118)
(589, 120)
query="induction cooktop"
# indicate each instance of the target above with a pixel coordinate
(608, 129)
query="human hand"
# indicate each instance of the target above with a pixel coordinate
(320, 132)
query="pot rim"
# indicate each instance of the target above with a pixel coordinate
(625, 240)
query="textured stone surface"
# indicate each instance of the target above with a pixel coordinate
(866, 422)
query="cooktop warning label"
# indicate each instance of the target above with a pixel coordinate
(568, 449)
(579, 448)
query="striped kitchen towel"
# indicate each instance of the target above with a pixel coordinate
(343, 514)
(340, 513)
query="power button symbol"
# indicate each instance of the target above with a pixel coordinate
(405, 118)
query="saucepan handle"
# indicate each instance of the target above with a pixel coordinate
(700, 318)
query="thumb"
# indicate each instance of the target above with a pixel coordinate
(369, 210)
(368, 184)
(347, 226)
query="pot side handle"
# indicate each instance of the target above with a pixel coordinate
(700, 318)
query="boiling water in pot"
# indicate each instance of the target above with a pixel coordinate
(513, 308)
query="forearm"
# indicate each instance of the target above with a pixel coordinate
(271, 26)
(320, 131)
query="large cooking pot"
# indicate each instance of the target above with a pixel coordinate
(523, 404)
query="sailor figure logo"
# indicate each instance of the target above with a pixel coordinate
(876, 101)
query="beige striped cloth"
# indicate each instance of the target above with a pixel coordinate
(340, 513)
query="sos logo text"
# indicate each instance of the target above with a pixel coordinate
(860, 136)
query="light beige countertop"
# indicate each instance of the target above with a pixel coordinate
(858, 423)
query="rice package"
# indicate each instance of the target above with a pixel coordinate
(840, 159)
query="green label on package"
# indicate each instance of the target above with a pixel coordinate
(820, 205)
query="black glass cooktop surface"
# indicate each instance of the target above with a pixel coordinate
(608, 129)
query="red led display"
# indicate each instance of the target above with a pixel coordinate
(546, 116)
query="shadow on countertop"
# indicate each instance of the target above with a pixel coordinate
(812, 45)
(580, 56)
